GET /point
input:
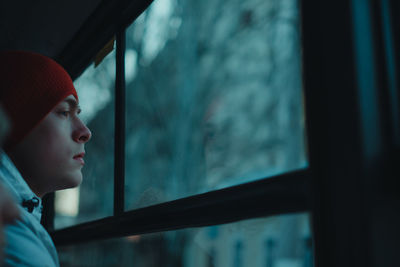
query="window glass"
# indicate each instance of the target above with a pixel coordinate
(279, 241)
(214, 97)
(94, 198)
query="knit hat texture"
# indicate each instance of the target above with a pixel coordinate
(31, 86)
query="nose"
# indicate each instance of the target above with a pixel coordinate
(81, 133)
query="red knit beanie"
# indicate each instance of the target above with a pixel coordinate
(31, 86)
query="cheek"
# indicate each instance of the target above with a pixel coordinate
(56, 148)
(53, 146)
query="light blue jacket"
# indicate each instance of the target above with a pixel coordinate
(27, 242)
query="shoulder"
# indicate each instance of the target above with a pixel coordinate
(28, 244)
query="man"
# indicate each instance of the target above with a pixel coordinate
(44, 151)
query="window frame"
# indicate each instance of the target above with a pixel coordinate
(340, 174)
(289, 189)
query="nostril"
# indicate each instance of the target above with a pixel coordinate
(82, 132)
(85, 136)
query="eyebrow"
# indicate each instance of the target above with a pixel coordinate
(72, 103)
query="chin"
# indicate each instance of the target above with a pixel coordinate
(77, 181)
(72, 181)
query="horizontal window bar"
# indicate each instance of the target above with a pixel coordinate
(285, 193)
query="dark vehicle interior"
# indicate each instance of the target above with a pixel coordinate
(343, 186)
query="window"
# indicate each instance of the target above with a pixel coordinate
(213, 100)
(222, 128)
(235, 244)
(209, 125)
(196, 154)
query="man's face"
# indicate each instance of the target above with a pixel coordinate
(50, 157)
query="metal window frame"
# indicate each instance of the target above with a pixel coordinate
(119, 153)
(290, 190)
(282, 194)
(344, 185)
(352, 148)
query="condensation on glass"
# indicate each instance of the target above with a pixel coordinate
(214, 97)
(279, 241)
(93, 199)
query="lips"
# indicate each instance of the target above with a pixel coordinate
(79, 158)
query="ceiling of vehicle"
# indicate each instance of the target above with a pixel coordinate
(71, 32)
(44, 26)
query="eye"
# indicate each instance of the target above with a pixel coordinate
(64, 113)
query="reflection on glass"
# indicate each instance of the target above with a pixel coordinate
(214, 96)
(280, 241)
(94, 198)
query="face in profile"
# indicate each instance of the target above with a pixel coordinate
(51, 156)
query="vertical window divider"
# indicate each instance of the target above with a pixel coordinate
(389, 53)
(119, 146)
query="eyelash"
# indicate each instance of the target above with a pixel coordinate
(67, 113)
(64, 113)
